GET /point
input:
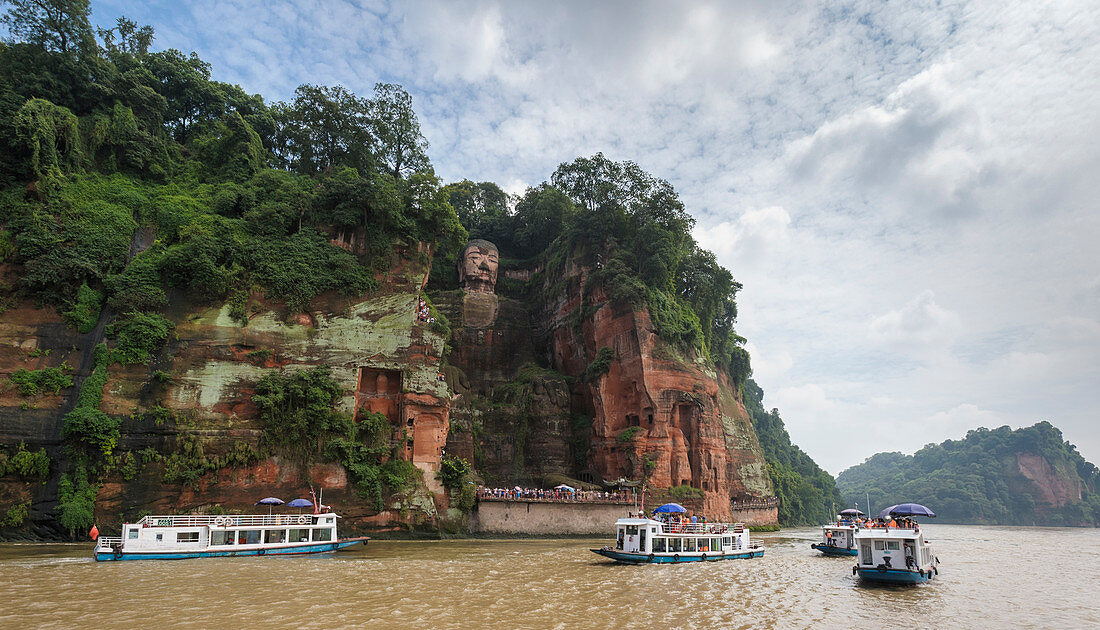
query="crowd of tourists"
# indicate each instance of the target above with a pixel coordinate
(887, 523)
(554, 495)
(423, 311)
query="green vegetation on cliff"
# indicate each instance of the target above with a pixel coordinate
(980, 479)
(807, 494)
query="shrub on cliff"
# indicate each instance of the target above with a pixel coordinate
(138, 336)
(84, 312)
(46, 380)
(298, 411)
(599, 366)
(30, 465)
(685, 493)
(452, 472)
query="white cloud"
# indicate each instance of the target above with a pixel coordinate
(920, 324)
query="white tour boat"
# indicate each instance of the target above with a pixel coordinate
(838, 539)
(649, 541)
(896, 553)
(204, 536)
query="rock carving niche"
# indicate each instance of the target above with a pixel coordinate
(428, 438)
(379, 391)
(684, 420)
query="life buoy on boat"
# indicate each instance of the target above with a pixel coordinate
(651, 557)
(881, 568)
(704, 557)
(303, 519)
(675, 557)
(219, 521)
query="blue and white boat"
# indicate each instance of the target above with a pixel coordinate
(838, 539)
(649, 541)
(205, 536)
(896, 552)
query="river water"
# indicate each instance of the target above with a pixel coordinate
(990, 577)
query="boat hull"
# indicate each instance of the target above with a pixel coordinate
(895, 576)
(833, 551)
(640, 558)
(296, 550)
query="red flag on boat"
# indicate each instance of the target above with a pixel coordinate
(94, 532)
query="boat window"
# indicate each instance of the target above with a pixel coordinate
(631, 530)
(879, 546)
(674, 544)
(219, 537)
(716, 544)
(276, 535)
(689, 544)
(133, 533)
(892, 544)
(299, 535)
(659, 545)
(187, 537)
(322, 534)
(160, 537)
(865, 549)
(249, 536)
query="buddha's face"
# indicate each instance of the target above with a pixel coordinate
(479, 267)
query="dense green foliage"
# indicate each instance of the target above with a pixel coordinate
(30, 465)
(301, 420)
(978, 480)
(807, 494)
(49, 380)
(111, 136)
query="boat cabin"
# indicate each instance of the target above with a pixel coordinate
(645, 536)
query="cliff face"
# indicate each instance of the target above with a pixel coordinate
(1053, 487)
(196, 396)
(656, 413)
(512, 399)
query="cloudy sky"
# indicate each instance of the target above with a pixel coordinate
(908, 191)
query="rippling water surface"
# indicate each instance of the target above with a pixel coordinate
(989, 577)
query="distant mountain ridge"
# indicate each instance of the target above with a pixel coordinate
(1029, 476)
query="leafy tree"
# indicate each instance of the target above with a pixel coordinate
(324, 128)
(56, 25)
(400, 146)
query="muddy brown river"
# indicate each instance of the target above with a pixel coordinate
(990, 577)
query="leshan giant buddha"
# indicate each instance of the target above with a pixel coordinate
(477, 269)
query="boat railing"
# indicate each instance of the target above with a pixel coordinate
(108, 542)
(227, 520)
(702, 528)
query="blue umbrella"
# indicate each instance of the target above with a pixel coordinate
(670, 508)
(300, 503)
(911, 509)
(851, 512)
(886, 512)
(270, 501)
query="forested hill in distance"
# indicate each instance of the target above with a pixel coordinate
(1029, 476)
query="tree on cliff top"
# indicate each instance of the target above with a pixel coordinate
(56, 25)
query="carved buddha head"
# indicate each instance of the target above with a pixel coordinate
(477, 268)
